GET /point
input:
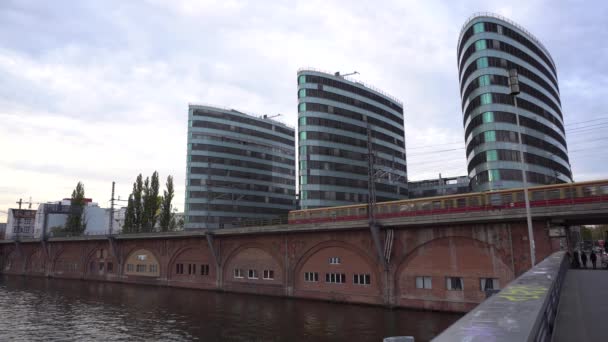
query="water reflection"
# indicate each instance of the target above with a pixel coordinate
(37, 309)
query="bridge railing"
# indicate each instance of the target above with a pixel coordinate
(525, 310)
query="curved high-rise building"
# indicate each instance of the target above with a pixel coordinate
(488, 47)
(337, 118)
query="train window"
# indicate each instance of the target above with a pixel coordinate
(362, 211)
(404, 207)
(394, 208)
(436, 205)
(569, 193)
(461, 203)
(507, 198)
(448, 204)
(343, 212)
(519, 196)
(589, 191)
(474, 201)
(604, 190)
(496, 199)
(425, 206)
(382, 209)
(553, 194)
(333, 214)
(538, 196)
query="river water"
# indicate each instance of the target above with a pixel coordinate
(41, 309)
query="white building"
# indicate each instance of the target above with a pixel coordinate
(20, 223)
(55, 214)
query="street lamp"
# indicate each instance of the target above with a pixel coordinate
(514, 91)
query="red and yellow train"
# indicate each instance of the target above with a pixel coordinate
(540, 196)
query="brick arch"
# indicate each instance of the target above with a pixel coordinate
(154, 254)
(350, 267)
(16, 263)
(35, 255)
(445, 256)
(91, 256)
(76, 269)
(188, 248)
(227, 271)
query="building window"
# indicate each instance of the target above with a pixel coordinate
(454, 283)
(489, 136)
(303, 195)
(482, 63)
(238, 273)
(303, 180)
(303, 150)
(191, 268)
(302, 135)
(253, 274)
(302, 79)
(362, 279)
(480, 45)
(110, 267)
(139, 268)
(303, 121)
(129, 267)
(486, 98)
(484, 80)
(268, 274)
(424, 282)
(488, 284)
(302, 93)
(493, 175)
(335, 278)
(487, 117)
(491, 155)
(153, 268)
(477, 28)
(204, 270)
(303, 165)
(311, 276)
(334, 261)
(101, 267)
(302, 107)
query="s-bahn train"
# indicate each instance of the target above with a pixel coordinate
(540, 196)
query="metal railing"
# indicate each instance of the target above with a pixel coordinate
(351, 79)
(507, 20)
(253, 115)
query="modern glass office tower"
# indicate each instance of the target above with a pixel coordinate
(488, 47)
(239, 168)
(337, 118)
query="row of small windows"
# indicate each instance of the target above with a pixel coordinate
(237, 208)
(352, 102)
(253, 274)
(238, 197)
(341, 139)
(337, 152)
(492, 27)
(345, 182)
(346, 196)
(457, 283)
(245, 120)
(242, 130)
(338, 278)
(485, 80)
(322, 122)
(101, 267)
(331, 166)
(142, 268)
(191, 269)
(510, 136)
(513, 156)
(495, 62)
(494, 44)
(514, 175)
(350, 88)
(489, 98)
(243, 152)
(246, 176)
(322, 108)
(242, 186)
(250, 144)
(218, 161)
(235, 221)
(498, 116)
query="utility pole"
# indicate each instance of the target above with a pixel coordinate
(514, 91)
(112, 210)
(18, 230)
(371, 198)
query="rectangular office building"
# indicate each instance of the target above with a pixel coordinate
(240, 168)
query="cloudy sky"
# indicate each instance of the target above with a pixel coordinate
(98, 91)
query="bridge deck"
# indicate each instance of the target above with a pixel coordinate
(583, 307)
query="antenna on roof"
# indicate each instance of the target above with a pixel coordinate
(337, 73)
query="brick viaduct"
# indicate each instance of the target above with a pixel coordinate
(470, 251)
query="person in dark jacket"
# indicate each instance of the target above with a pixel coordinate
(593, 258)
(584, 259)
(575, 263)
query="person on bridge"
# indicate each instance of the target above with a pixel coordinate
(575, 262)
(584, 259)
(593, 258)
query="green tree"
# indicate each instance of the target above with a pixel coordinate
(76, 221)
(138, 209)
(167, 220)
(129, 225)
(150, 203)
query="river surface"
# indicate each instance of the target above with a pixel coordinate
(41, 309)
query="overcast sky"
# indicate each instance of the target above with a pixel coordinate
(98, 91)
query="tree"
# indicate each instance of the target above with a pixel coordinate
(137, 204)
(129, 225)
(150, 203)
(167, 220)
(76, 223)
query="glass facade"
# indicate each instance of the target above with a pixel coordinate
(240, 168)
(488, 47)
(338, 118)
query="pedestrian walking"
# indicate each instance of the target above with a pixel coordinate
(575, 263)
(584, 259)
(593, 258)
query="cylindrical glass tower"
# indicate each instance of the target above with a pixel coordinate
(488, 47)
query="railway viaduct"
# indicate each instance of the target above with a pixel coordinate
(334, 261)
